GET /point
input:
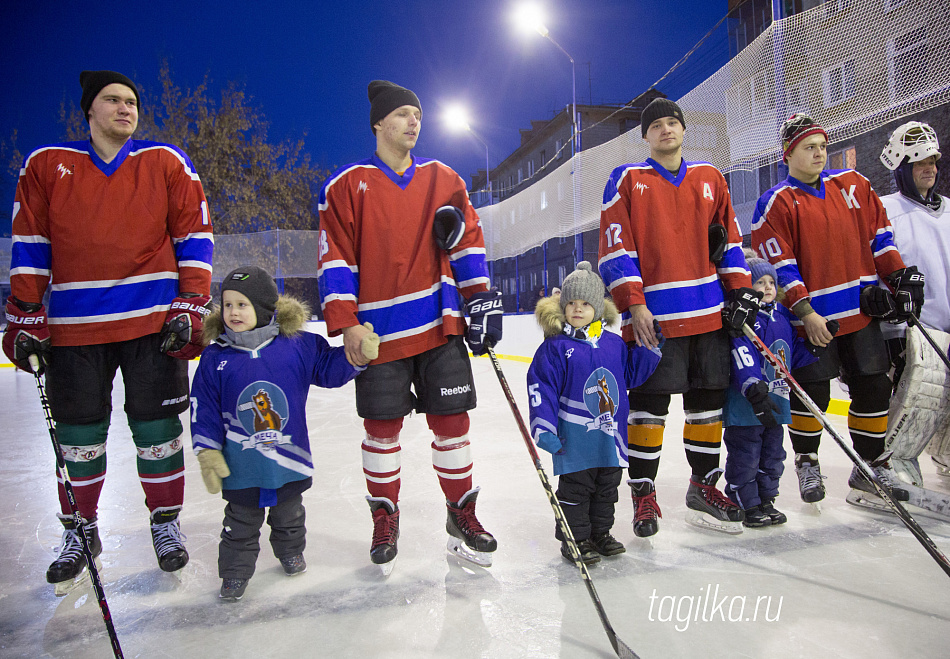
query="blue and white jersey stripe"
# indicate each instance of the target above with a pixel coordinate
(399, 317)
(31, 255)
(133, 297)
(196, 250)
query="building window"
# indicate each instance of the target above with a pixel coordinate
(906, 63)
(559, 147)
(544, 158)
(844, 159)
(520, 175)
(530, 168)
(561, 274)
(534, 280)
(837, 83)
(743, 186)
(893, 4)
(832, 7)
(795, 99)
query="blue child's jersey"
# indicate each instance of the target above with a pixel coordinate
(772, 325)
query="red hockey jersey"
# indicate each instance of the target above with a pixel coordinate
(379, 261)
(826, 244)
(654, 245)
(119, 240)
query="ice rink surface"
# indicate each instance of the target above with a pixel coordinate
(842, 583)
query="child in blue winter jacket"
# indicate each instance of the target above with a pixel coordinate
(577, 389)
(248, 423)
(757, 405)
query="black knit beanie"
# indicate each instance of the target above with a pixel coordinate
(256, 285)
(657, 109)
(384, 97)
(92, 83)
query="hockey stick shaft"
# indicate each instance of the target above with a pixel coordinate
(915, 321)
(63, 473)
(883, 491)
(621, 648)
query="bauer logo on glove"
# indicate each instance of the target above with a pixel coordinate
(181, 335)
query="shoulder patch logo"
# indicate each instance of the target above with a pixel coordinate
(63, 170)
(641, 187)
(363, 187)
(262, 411)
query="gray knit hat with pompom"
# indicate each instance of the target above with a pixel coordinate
(584, 284)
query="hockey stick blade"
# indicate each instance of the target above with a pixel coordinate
(883, 491)
(620, 648)
(914, 321)
(74, 510)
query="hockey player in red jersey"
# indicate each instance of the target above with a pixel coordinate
(116, 233)
(382, 262)
(656, 225)
(827, 235)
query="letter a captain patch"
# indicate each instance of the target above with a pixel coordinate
(707, 192)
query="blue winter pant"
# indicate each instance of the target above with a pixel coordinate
(755, 460)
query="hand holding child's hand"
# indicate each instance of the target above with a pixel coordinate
(213, 469)
(369, 345)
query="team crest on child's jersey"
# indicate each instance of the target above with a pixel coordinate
(601, 394)
(263, 412)
(777, 384)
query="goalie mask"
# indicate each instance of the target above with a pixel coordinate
(910, 143)
(913, 141)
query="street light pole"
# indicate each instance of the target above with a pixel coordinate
(529, 17)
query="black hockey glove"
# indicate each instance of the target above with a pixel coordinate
(448, 227)
(833, 326)
(740, 308)
(878, 302)
(718, 240)
(484, 321)
(908, 286)
(762, 404)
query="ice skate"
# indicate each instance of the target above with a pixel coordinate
(168, 539)
(942, 465)
(863, 493)
(385, 534)
(755, 518)
(232, 589)
(810, 485)
(293, 565)
(587, 550)
(467, 537)
(645, 508)
(606, 544)
(69, 569)
(777, 516)
(708, 508)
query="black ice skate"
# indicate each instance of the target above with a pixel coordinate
(69, 568)
(777, 516)
(606, 544)
(467, 538)
(645, 508)
(586, 549)
(864, 495)
(293, 565)
(233, 589)
(168, 539)
(810, 485)
(755, 518)
(385, 533)
(708, 508)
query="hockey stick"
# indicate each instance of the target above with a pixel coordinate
(62, 472)
(914, 320)
(883, 491)
(621, 648)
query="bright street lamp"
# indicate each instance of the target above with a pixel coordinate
(456, 119)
